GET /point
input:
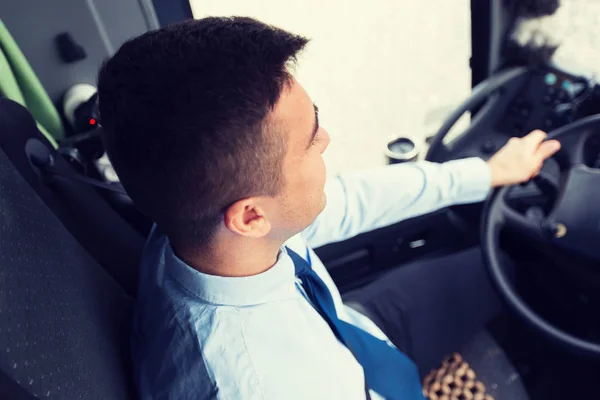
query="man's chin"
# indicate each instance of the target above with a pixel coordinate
(322, 205)
(323, 202)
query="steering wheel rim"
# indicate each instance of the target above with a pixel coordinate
(494, 220)
(438, 151)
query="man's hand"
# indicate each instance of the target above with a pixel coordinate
(521, 159)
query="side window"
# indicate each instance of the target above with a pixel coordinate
(377, 69)
(572, 29)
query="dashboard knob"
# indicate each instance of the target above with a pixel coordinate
(550, 79)
(489, 147)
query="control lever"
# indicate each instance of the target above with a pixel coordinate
(546, 181)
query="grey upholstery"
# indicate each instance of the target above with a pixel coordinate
(63, 320)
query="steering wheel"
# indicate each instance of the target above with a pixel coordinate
(571, 228)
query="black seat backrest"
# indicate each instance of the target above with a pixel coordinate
(87, 216)
(64, 322)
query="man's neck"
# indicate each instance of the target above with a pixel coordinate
(236, 257)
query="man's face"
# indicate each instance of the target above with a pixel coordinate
(303, 196)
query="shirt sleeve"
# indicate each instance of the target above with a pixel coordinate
(362, 201)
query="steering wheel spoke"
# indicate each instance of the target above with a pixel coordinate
(530, 226)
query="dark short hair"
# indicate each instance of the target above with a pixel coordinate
(185, 113)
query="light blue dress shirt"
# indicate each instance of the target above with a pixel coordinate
(199, 336)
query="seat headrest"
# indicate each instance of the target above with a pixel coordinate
(105, 235)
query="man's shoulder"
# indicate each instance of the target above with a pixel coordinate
(190, 350)
(164, 307)
(170, 338)
(167, 352)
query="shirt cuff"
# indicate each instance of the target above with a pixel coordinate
(474, 177)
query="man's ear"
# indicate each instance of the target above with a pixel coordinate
(248, 218)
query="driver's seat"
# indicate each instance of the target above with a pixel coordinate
(64, 320)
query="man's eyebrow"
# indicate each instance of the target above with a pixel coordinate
(316, 128)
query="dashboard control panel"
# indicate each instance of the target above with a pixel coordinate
(549, 100)
(546, 99)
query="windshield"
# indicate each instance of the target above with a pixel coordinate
(574, 29)
(376, 69)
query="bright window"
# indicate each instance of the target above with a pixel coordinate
(375, 68)
(574, 29)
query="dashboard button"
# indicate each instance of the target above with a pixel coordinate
(516, 129)
(550, 79)
(562, 95)
(488, 147)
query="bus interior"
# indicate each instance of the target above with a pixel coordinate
(70, 237)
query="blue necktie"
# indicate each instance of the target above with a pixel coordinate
(387, 370)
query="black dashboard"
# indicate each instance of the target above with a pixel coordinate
(545, 99)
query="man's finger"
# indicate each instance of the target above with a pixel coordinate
(548, 149)
(534, 138)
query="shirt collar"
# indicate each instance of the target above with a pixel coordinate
(274, 284)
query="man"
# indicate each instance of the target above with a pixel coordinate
(218, 144)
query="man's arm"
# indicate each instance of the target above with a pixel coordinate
(362, 201)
